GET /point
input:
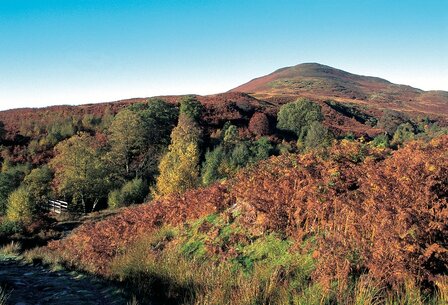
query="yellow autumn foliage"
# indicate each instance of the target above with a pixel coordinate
(179, 168)
(20, 206)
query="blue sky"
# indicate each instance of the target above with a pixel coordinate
(79, 51)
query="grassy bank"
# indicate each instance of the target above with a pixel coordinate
(214, 260)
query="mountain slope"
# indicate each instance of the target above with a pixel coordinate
(324, 82)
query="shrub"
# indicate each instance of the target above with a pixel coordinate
(354, 228)
(8, 227)
(404, 133)
(390, 120)
(134, 191)
(115, 200)
(11, 249)
(381, 141)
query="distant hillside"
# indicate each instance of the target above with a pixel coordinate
(358, 103)
(220, 108)
(324, 82)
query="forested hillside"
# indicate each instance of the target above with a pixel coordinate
(235, 199)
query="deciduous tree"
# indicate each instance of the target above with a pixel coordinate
(298, 116)
(191, 107)
(21, 207)
(127, 137)
(158, 118)
(179, 168)
(317, 136)
(38, 185)
(81, 174)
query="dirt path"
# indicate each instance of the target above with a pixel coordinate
(37, 285)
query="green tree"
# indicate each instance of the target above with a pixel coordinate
(191, 107)
(317, 136)
(179, 167)
(134, 191)
(81, 174)
(233, 154)
(90, 122)
(240, 156)
(106, 119)
(10, 179)
(159, 118)
(231, 135)
(261, 149)
(38, 185)
(21, 208)
(127, 137)
(211, 170)
(8, 183)
(298, 116)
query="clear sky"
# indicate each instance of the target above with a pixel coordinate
(82, 51)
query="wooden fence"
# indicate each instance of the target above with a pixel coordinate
(57, 206)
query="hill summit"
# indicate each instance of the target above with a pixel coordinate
(319, 81)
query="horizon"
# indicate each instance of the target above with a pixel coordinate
(82, 52)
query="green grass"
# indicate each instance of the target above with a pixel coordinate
(266, 269)
(215, 260)
(262, 270)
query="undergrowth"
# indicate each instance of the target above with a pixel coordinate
(292, 230)
(215, 260)
(10, 250)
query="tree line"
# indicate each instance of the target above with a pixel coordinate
(154, 149)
